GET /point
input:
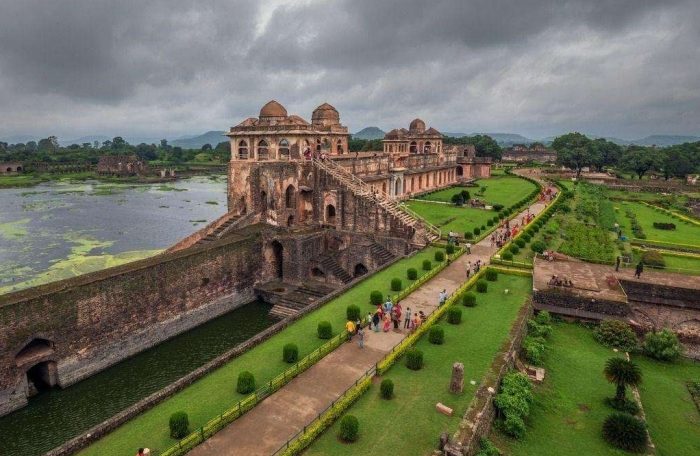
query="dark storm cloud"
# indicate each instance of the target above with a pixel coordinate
(537, 67)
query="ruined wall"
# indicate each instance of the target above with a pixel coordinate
(577, 306)
(95, 320)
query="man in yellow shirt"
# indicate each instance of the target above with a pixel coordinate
(350, 327)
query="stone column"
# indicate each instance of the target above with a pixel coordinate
(457, 382)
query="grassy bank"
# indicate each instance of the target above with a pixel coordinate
(214, 393)
(408, 423)
(451, 218)
(505, 190)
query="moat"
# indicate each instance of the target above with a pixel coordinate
(58, 229)
(75, 409)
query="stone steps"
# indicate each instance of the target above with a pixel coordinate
(332, 266)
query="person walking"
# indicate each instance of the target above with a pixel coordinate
(369, 321)
(350, 328)
(617, 263)
(361, 337)
(442, 297)
(638, 270)
(469, 248)
(407, 318)
(375, 321)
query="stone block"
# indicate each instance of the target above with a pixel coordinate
(442, 408)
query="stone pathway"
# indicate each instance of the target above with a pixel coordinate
(264, 429)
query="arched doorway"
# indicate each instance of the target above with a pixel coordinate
(41, 370)
(263, 201)
(330, 214)
(278, 259)
(398, 186)
(460, 171)
(340, 146)
(290, 197)
(41, 377)
(290, 220)
(360, 270)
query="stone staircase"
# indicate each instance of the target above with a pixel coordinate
(423, 229)
(225, 227)
(330, 265)
(382, 255)
(294, 302)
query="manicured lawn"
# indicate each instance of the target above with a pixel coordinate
(674, 263)
(506, 190)
(451, 218)
(568, 411)
(685, 232)
(408, 424)
(674, 421)
(216, 392)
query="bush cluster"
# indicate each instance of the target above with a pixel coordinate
(349, 428)
(454, 315)
(396, 284)
(534, 348)
(507, 256)
(625, 431)
(386, 388)
(653, 258)
(636, 227)
(436, 335)
(469, 299)
(246, 383)
(468, 235)
(513, 403)
(414, 359)
(616, 334)
(514, 249)
(179, 425)
(538, 246)
(481, 286)
(664, 226)
(662, 345)
(324, 330)
(290, 353)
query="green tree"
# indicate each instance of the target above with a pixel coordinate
(676, 162)
(609, 153)
(48, 145)
(622, 373)
(576, 151)
(640, 160)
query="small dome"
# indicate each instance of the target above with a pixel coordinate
(325, 112)
(273, 109)
(417, 125)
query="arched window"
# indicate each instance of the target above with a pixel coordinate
(318, 145)
(290, 197)
(284, 149)
(414, 147)
(340, 146)
(330, 214)
(242, 150)
(427, 147)
(263, 151)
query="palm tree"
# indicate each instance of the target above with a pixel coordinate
(622, 373)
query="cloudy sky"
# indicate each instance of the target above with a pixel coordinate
(166, 68)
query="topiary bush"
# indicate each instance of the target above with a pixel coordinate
(520, 242)
(483, 228)
(246, 383)
(491, 275)
(497, 207)
(436, 335)
(617, 334)
(482, 286)
(396, 284)
(450, 249)
(352, 313)
(439, 256)
(489, 222)
(662, 345)
(514, 249)
(477, 231)
(376, 297)
(507, 256)
(468, 235)
(386, 388)
(469, 299)
(290, 353)
(427, 265)
(412, 273)
(625, 431)
(538, 246)
(526, 237)
(349, 428)
(454, 315)
(324, 330)
(179, 425)
(414, 359)
(653, 258)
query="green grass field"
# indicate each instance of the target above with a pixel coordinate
(451, 218)
(685, 232)
(506, 190)
(408, 424)
(214, 393)
(569, 406)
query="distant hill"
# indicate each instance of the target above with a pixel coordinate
(664, 140)
(213, 137)
(369, 133)
(83, 139)
(503, 139)
(15, 139)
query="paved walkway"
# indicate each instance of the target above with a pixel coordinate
(264, 429)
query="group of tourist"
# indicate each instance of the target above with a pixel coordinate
(473, 268)
(557, 281)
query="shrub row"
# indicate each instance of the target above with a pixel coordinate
(513, 404)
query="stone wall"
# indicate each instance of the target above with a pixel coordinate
(572, 305)
(85, 324)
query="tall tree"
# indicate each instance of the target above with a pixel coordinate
(576, 151)
(640, 160)
(609, 152)
(48, 145)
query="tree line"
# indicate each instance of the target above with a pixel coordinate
(48, 150)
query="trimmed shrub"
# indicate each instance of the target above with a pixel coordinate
(324, 330)
(543, 317)
(469, 299)
(497, 207)
(662, 345)
(450, 249)
(290, 353)
(412, 273)
(653, 258)
(489, 222)
(427, 265)
(487, 448)
(482, 286)
(246, 383)
(454, 315)
(664, 226)
(507, 256)
(436, 335)
(520, 242)
(526, 237)
(468, 235)
(376, 297)
(477, 231)
(179, 425)
(396, 284)
(439, 256)
(414, 359)
(483, 228)
(534, 348)
(352, 313)
(538, 246)
(386, 388)
(615, 333)
(491, 275)
(625, 431)
(349, 428)
(538, 330)
(514, 249)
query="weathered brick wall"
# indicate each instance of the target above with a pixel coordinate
(98, 319)
(566, 301)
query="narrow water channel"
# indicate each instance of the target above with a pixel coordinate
(55, 416)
